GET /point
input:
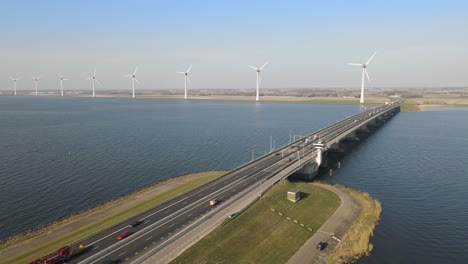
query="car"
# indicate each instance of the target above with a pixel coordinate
(320, 245)
(136, 223)
(214, 202)
(123, 235)
(231, 216)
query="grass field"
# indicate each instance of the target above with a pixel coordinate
(411, 108)
(260, 235)
(355, 242)
(147, 202)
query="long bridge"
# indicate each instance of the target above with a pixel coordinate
(178, 223)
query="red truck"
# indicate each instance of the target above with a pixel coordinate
(58, 256)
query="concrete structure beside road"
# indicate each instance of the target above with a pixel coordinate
(294, 195)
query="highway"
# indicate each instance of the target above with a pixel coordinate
(167, 219)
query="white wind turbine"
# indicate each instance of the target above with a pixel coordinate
(259, 79)
(36, 82)
(134, 79)
(93, 78)
(186, 79)
(364, 72)
(61, 82)
(14, 81)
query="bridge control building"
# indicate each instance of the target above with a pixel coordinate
(294, 195)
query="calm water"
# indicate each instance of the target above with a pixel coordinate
(417, 167)
(60, 155)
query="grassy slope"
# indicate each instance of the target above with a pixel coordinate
(259, 235)
(110, 220)
(355, 243)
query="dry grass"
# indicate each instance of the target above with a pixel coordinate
(356, 242)
(99, 217)
(435, 100)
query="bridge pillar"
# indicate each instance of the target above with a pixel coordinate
(363, 129)
(311, 169)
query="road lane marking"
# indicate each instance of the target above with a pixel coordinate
(122, 253)
(149, 238)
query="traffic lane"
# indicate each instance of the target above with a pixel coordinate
(144, 244)
(108, 237)
(176, 222)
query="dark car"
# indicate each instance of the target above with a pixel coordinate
(320, 245)
(136, 223)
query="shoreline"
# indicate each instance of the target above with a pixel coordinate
(415, 105)
(62, 227)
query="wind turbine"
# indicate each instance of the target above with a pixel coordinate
(259, 79)
(134, 79)
(93, 78)
(14, 81)
(61, 82)
(364, 72)
(36, 82)
(186, 79)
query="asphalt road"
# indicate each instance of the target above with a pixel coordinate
(169, 218)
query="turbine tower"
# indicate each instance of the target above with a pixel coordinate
(364, 72)
(186, 79)
(14, 81)
(134, 79)
(259, 79)
(36, 82)
(93, 78)
(61, 82)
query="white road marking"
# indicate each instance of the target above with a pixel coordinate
(149, 238)
(122, 253)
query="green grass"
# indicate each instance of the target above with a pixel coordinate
(259, 235)
(410, 108)
(110, 220)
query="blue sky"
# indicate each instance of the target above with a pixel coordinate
(308, 43)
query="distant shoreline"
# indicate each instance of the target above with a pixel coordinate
(419, 102)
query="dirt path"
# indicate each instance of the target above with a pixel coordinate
(337, 224)
(120, 204)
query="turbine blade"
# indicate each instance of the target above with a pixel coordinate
(263, 65)
(60, 74)
(188, 79)
(355, 64)
(368, 78)
(89, 78)
(371, 58)
(137, 82)
(181, 72)
(255, 68)
(136, 69)
(65, 79)
(190, 67)
(94, 72)
(98, 83)
(129, 75)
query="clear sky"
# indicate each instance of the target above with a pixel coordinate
(308, 43)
